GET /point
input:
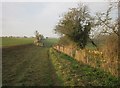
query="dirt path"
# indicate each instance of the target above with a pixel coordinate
(28, 66)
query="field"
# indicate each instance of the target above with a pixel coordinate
(24, 64)
(15, 41)
(28, 65)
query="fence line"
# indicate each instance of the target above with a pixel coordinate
(93, 58)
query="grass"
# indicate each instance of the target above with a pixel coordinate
(22, 41)
(15, 41)
(28, 65)
(51, 41)
(73, 73)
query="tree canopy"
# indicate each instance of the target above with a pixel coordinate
(80, 27)
(76, 25)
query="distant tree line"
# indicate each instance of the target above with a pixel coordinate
(17, 37)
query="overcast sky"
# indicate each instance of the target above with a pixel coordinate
(23, 18)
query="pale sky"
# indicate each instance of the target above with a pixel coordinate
(23, 18)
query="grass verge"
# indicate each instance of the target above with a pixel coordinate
(74, 73)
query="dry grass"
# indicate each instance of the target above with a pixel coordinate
(106, 58)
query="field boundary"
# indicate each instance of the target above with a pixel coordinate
(74, 73)
(93, 58)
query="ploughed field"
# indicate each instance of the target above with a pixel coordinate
(28, 65)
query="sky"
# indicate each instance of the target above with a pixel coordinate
(23, 18)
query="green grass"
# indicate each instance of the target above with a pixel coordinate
(28, 65)
(15, 41)
(51, 41)
(22, 41)
(74, 73)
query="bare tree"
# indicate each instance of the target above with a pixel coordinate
(106, 23)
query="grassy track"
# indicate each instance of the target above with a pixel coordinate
(28, 65)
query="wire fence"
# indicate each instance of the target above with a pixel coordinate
(93, 58)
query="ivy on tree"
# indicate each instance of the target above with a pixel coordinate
(75, 26)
